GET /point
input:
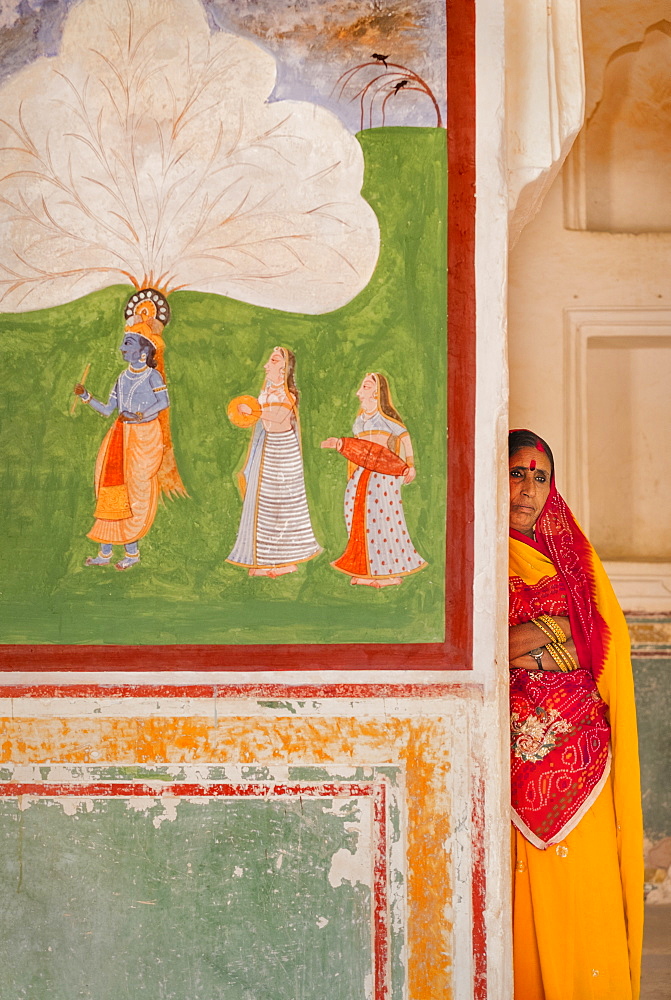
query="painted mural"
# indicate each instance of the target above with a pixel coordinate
(222, 282)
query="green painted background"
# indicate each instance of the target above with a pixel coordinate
(183, 591)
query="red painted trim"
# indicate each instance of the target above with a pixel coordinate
(478, 889)
(461, 341)
(376, 790)
(380, 893)
(238, 691)
(455, 653)
(363, 656)
(217, 789)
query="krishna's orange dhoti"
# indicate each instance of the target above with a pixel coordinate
(126, 482)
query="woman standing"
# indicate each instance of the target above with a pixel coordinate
(275, 532)
(379, 552)
(576, 807)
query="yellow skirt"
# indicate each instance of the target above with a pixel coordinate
(569, 925)
(143, 454)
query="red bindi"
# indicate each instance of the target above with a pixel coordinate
(532, 464)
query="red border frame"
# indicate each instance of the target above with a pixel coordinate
(376, 790)
(455, 652)
(297, 691)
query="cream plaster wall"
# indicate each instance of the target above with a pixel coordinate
(553, 269)
(607, 25)
(490, 597)
(566, 285)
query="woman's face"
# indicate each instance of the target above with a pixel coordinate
(529, 488)
(367, 393)
(274, 366)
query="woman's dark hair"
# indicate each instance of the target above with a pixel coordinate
(527, 439)
(147, 346)
(290, 374)
(386, 404)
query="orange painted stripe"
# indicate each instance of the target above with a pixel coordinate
(416, 744)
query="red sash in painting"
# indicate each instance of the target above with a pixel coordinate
(112, 500)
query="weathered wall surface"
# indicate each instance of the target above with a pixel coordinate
(589, 311)
(651, 649)
(205, 841)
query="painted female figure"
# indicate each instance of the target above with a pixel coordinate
(379, 552)
(275, 532)
(130, 456)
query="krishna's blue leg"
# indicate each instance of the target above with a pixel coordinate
(132, 556)
(103, 557)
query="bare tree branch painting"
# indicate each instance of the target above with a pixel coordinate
(372, 87)
(148, 152)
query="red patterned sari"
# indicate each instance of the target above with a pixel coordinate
(578, 904)
(560, 736)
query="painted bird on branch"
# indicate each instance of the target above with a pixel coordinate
(400, 85)
(380, 58)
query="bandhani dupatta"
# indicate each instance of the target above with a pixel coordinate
(600, 633)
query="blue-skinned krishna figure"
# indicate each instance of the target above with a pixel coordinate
(133, 452)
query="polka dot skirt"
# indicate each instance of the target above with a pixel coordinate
(389, 546)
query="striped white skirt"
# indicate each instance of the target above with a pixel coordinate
(282, 532)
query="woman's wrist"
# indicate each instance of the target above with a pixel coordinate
(550, 628)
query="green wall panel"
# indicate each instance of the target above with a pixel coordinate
(653, 706)
(230, 899)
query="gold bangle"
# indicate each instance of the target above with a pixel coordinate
(562, 657)
(544, 629)
(557, 632)
(551, 648)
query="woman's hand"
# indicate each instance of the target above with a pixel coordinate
(330, 443)
(527, 662)
(244, 408)
(410, 475)
(526, 636)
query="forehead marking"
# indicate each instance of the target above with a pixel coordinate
(532, 464)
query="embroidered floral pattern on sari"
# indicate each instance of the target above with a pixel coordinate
(537, 734)
(558, 747)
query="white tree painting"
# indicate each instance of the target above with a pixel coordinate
(147, 151)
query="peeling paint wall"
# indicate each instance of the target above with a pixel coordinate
(168, 840)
